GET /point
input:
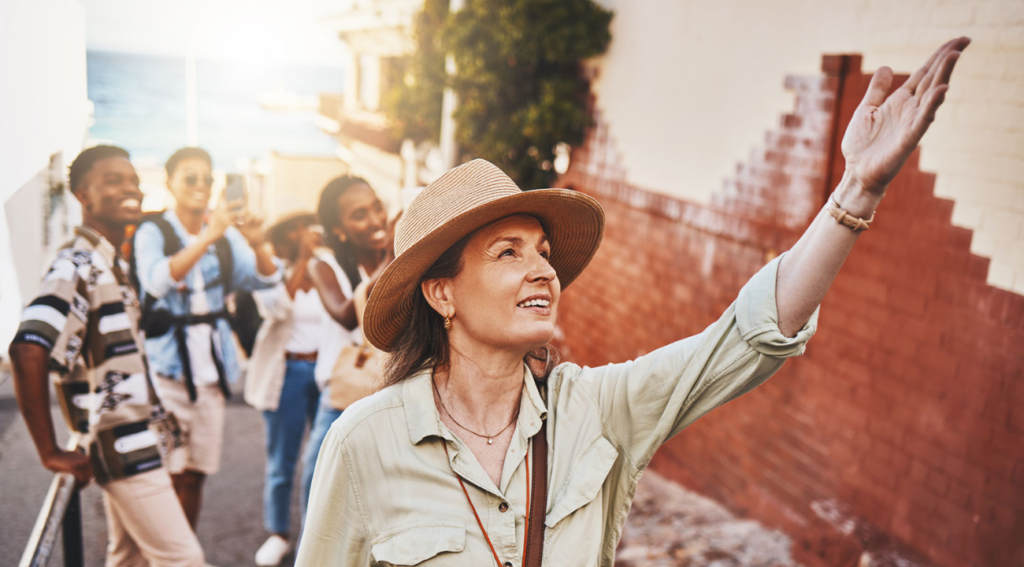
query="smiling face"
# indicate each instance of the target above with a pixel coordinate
(110, 195)
(505, 295)
(191, 183)
(363, 219)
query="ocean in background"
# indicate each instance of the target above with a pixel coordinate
(140, 106)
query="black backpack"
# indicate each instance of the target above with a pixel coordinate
(245, 322)
(173, 245)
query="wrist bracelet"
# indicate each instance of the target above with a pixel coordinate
(844, 218)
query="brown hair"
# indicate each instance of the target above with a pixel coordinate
(425, 343)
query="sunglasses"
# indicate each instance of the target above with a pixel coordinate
(192, 180)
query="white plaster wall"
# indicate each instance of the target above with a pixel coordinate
(43, 111)
(688, 87)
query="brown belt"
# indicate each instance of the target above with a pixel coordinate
(303, 356)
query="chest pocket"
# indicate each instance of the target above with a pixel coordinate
(415, 544)
(584, 482)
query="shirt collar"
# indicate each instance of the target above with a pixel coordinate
(423, 420)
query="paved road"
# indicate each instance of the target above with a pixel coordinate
(668, 525)
(230, 528)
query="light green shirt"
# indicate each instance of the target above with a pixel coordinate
(384, 492)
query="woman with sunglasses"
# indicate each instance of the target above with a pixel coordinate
(179, 257)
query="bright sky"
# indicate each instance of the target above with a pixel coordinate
(247, 30)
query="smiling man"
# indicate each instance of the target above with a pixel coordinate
(188, 260)
(83, 325)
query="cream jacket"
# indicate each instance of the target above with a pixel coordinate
(384, 492)
(264, 374)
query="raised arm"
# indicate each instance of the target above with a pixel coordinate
(343, 309)
(185, 259)
(881, 136)
(252, 229)
(340, 308)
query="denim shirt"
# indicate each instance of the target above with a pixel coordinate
(384, 488)
(154, 269)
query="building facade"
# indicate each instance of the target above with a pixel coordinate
(378, 34)
(898, 437)
(45, 117)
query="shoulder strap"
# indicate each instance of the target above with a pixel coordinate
(172, 244)
(227, 263)
(534, 552)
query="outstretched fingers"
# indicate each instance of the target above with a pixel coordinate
(881, 81)
(933, 98)
(940, 64)
(916, 78)
(946, 69)
(929, 77)
(926, 112)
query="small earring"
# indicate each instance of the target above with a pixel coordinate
(447, 323)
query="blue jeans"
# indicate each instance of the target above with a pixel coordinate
(284, 428)
(325, 417)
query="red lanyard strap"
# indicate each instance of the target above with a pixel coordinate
(537, 491)
(472, 507)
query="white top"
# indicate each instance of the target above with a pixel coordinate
(199, 338)
(308, 315)
(265, 371)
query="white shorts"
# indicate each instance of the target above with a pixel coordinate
(202, 426)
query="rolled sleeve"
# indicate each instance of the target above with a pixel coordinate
(57, 318)
(757, 316)
(271, 280)
(154, 268)
(646, 401)
(245, 275)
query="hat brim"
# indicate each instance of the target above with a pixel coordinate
(279, 222)
(573, 221)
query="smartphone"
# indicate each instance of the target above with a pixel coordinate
(234, 193)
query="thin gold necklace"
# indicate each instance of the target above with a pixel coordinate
(489, 438)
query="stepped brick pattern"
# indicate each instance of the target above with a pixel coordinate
(898, 438)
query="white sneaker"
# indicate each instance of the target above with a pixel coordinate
(272, 551)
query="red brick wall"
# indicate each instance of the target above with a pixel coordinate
(901, 431)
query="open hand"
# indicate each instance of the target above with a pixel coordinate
(884, 131)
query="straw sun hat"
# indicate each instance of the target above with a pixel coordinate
(285, 216)
(459, 202)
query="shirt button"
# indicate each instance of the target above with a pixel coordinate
(508, 564)
(503, 507)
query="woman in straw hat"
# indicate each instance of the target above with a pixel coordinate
(477, 451)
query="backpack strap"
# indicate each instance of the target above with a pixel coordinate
(226, 259)
(172, 245)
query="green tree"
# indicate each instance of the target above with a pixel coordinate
(519, 82)
(414, 105)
